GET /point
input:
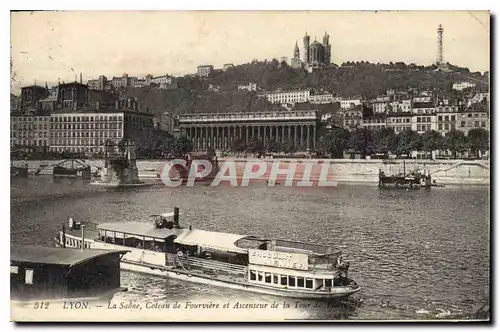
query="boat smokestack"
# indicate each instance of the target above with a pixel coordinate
(83, 237)
(63, 236)
(176, 216)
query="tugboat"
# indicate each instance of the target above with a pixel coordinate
(411, 180)
(268, 266)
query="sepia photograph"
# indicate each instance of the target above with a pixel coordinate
(250, 166)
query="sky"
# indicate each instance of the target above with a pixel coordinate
(47, 46)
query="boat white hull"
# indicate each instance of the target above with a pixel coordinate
(183, 275)
(152, 264)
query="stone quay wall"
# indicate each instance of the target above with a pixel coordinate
(457, 172)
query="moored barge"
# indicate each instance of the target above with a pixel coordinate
(56, 274)
(164, 248)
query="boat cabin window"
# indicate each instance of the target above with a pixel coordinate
(291, 281)
(134, 241)
(328, 283)
(284, 280)
(275, 279)
(260, 276)
(14, 269)
(268, 277)
(300, 282)
(29, 277)
(309, 283)
(253, 276)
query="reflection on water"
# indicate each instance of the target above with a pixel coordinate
(415, 253)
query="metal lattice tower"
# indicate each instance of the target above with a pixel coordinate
(439, 57)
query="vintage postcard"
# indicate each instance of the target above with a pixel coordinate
(250, 166)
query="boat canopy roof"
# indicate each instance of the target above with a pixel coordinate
(165, 215)
(312, 248)
(212, 240)
(140, 229)
(57, 256)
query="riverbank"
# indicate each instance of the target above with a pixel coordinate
(448, 172)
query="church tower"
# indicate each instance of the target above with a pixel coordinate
(327, 50)
(296, 52)
(307, 40)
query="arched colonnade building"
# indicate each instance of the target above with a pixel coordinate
(219, 130)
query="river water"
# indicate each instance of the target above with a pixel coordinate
(421, 254)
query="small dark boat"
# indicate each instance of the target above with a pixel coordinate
(64, 171)
(75, 171)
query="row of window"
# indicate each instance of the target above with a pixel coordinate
(447, 126)
(423, 127)
(424, 119)
(400, 129)
(464, 124)
(284, 280)
(400, 120)
(77, 149)
(30, 118)
(86, 118)
(86, 126)
(87, 134)
(446, 118)
(13, 126)
(30, 142)
(28, 134)
(66, 142)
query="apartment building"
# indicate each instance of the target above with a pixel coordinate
(29, 132)
(88, 130)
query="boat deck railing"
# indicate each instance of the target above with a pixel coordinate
(215, 265)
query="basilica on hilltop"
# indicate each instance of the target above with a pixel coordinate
(315, 54)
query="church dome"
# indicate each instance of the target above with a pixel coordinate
(316, 44)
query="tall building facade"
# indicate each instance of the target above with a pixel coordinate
(29, 132)
(88, 130)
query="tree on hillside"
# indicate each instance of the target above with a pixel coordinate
(456, 142)
(406, 142)
(361, 141)
(383, 140)
(478, 140)
(431, 140)
(334, 143)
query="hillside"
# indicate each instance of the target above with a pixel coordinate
(351, 79)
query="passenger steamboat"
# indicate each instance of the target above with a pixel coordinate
(162, 247)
